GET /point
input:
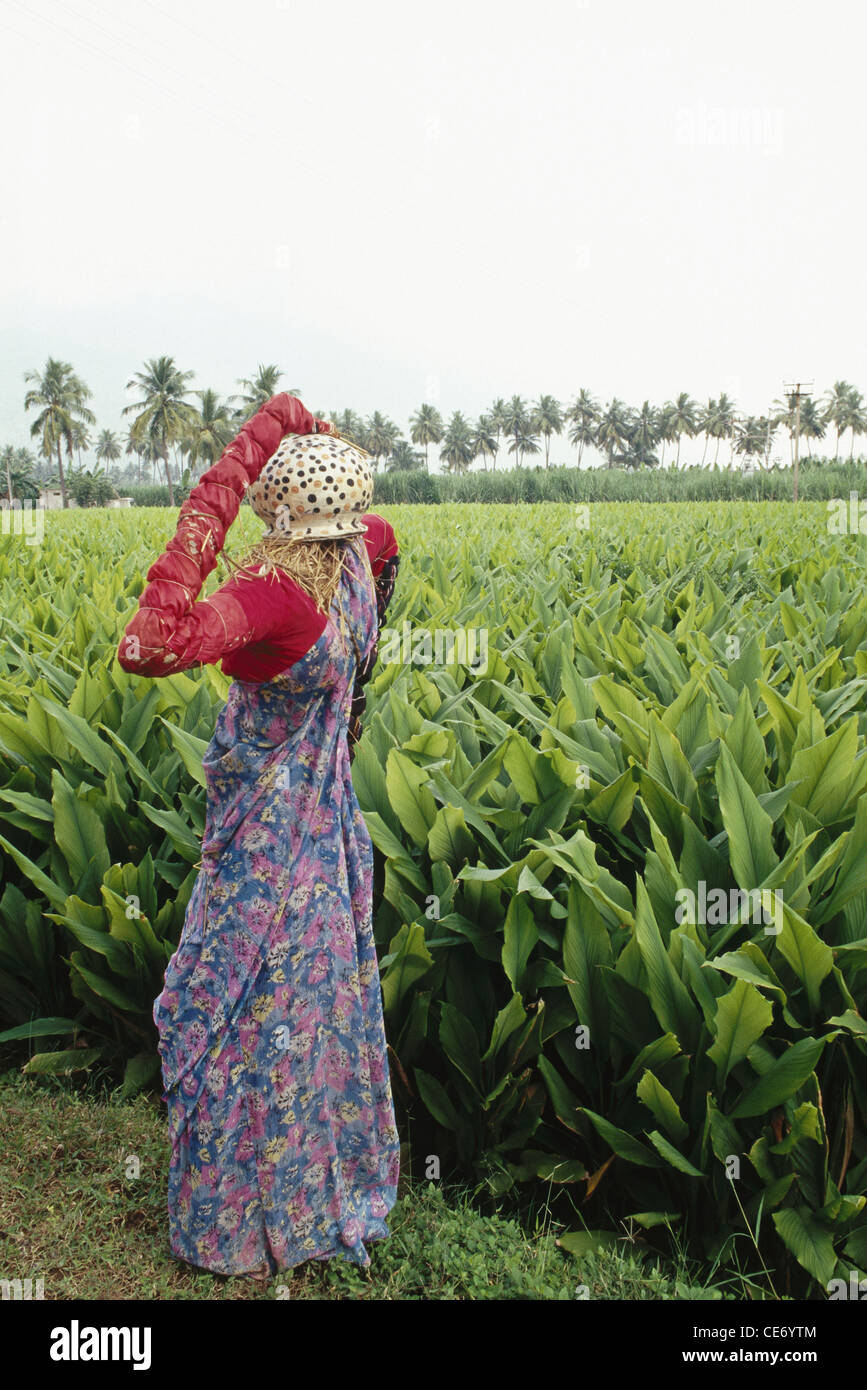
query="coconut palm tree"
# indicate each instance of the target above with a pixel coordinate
(707, 423)
(547, 419)
(497, 417)
(684, 420)
(529, 442)
(855, 417)
(484, 439)
(516, 423)
(257, 390)
(457, 450)
(750, 437)
(108, 447)
(18, 465)
(145, 450)
(836, 406)
(7, 460)
(80, 439)
(350, 425)
(163, 415)
(210, 429)
(380, 437)
(583, 418)
(666, 429)
(612, 434)
(643, 437)
(404, 458)
(785, 413)
(812, 422)
(60, 397)
(725, 424)
(426, 427)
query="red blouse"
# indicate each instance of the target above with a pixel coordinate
(258, 625)
(285, 621)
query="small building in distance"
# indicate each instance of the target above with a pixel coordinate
(51, 498)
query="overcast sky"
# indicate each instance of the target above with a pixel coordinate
(399, 202)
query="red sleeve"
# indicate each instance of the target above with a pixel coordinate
(170, 631)
(380, 541)
(284, 622)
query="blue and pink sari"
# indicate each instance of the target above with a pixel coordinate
(271, 1032)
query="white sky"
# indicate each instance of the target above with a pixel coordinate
(452, 202)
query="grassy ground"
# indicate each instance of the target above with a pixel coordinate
(71, 1215)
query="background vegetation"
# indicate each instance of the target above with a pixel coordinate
(176, 431)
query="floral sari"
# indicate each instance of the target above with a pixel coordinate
(271, 1033)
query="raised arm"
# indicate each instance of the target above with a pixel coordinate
(170, 630)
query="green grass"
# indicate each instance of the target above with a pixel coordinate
(70, 1215)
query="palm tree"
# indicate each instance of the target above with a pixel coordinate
(725, 424)
(257, 390)
(836, 406)
(426, 427)
(60, 397)
(812, 422)
(350, 425)
(643, 437)
(529, 442)
(707, 423)
(404, 458)
(515, 423)
(18, 465)
(547, 419)
(457, 450)
(145, 450)
(381, 434)
(750, 437)
(497, 417)
(855, 417)
(666, 428)
(785, 412)
(80, 440)
(612, 434)
(583, 418)
(108, 447)
(684, 420)
(7, 459)
(211, 428)
(162, 415)
(484, 439)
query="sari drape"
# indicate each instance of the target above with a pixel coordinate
(271, 1031)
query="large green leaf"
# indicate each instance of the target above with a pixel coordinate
(668, 995)
(782, 1080)
(809, 1241)
(742, 1016)
(751, 850)
(520, 935)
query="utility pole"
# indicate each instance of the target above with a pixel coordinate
(796, 389)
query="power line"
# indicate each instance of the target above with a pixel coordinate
(212, 114)
(118, 38)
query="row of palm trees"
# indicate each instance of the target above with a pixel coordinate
(173, 425)
(630, 437)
